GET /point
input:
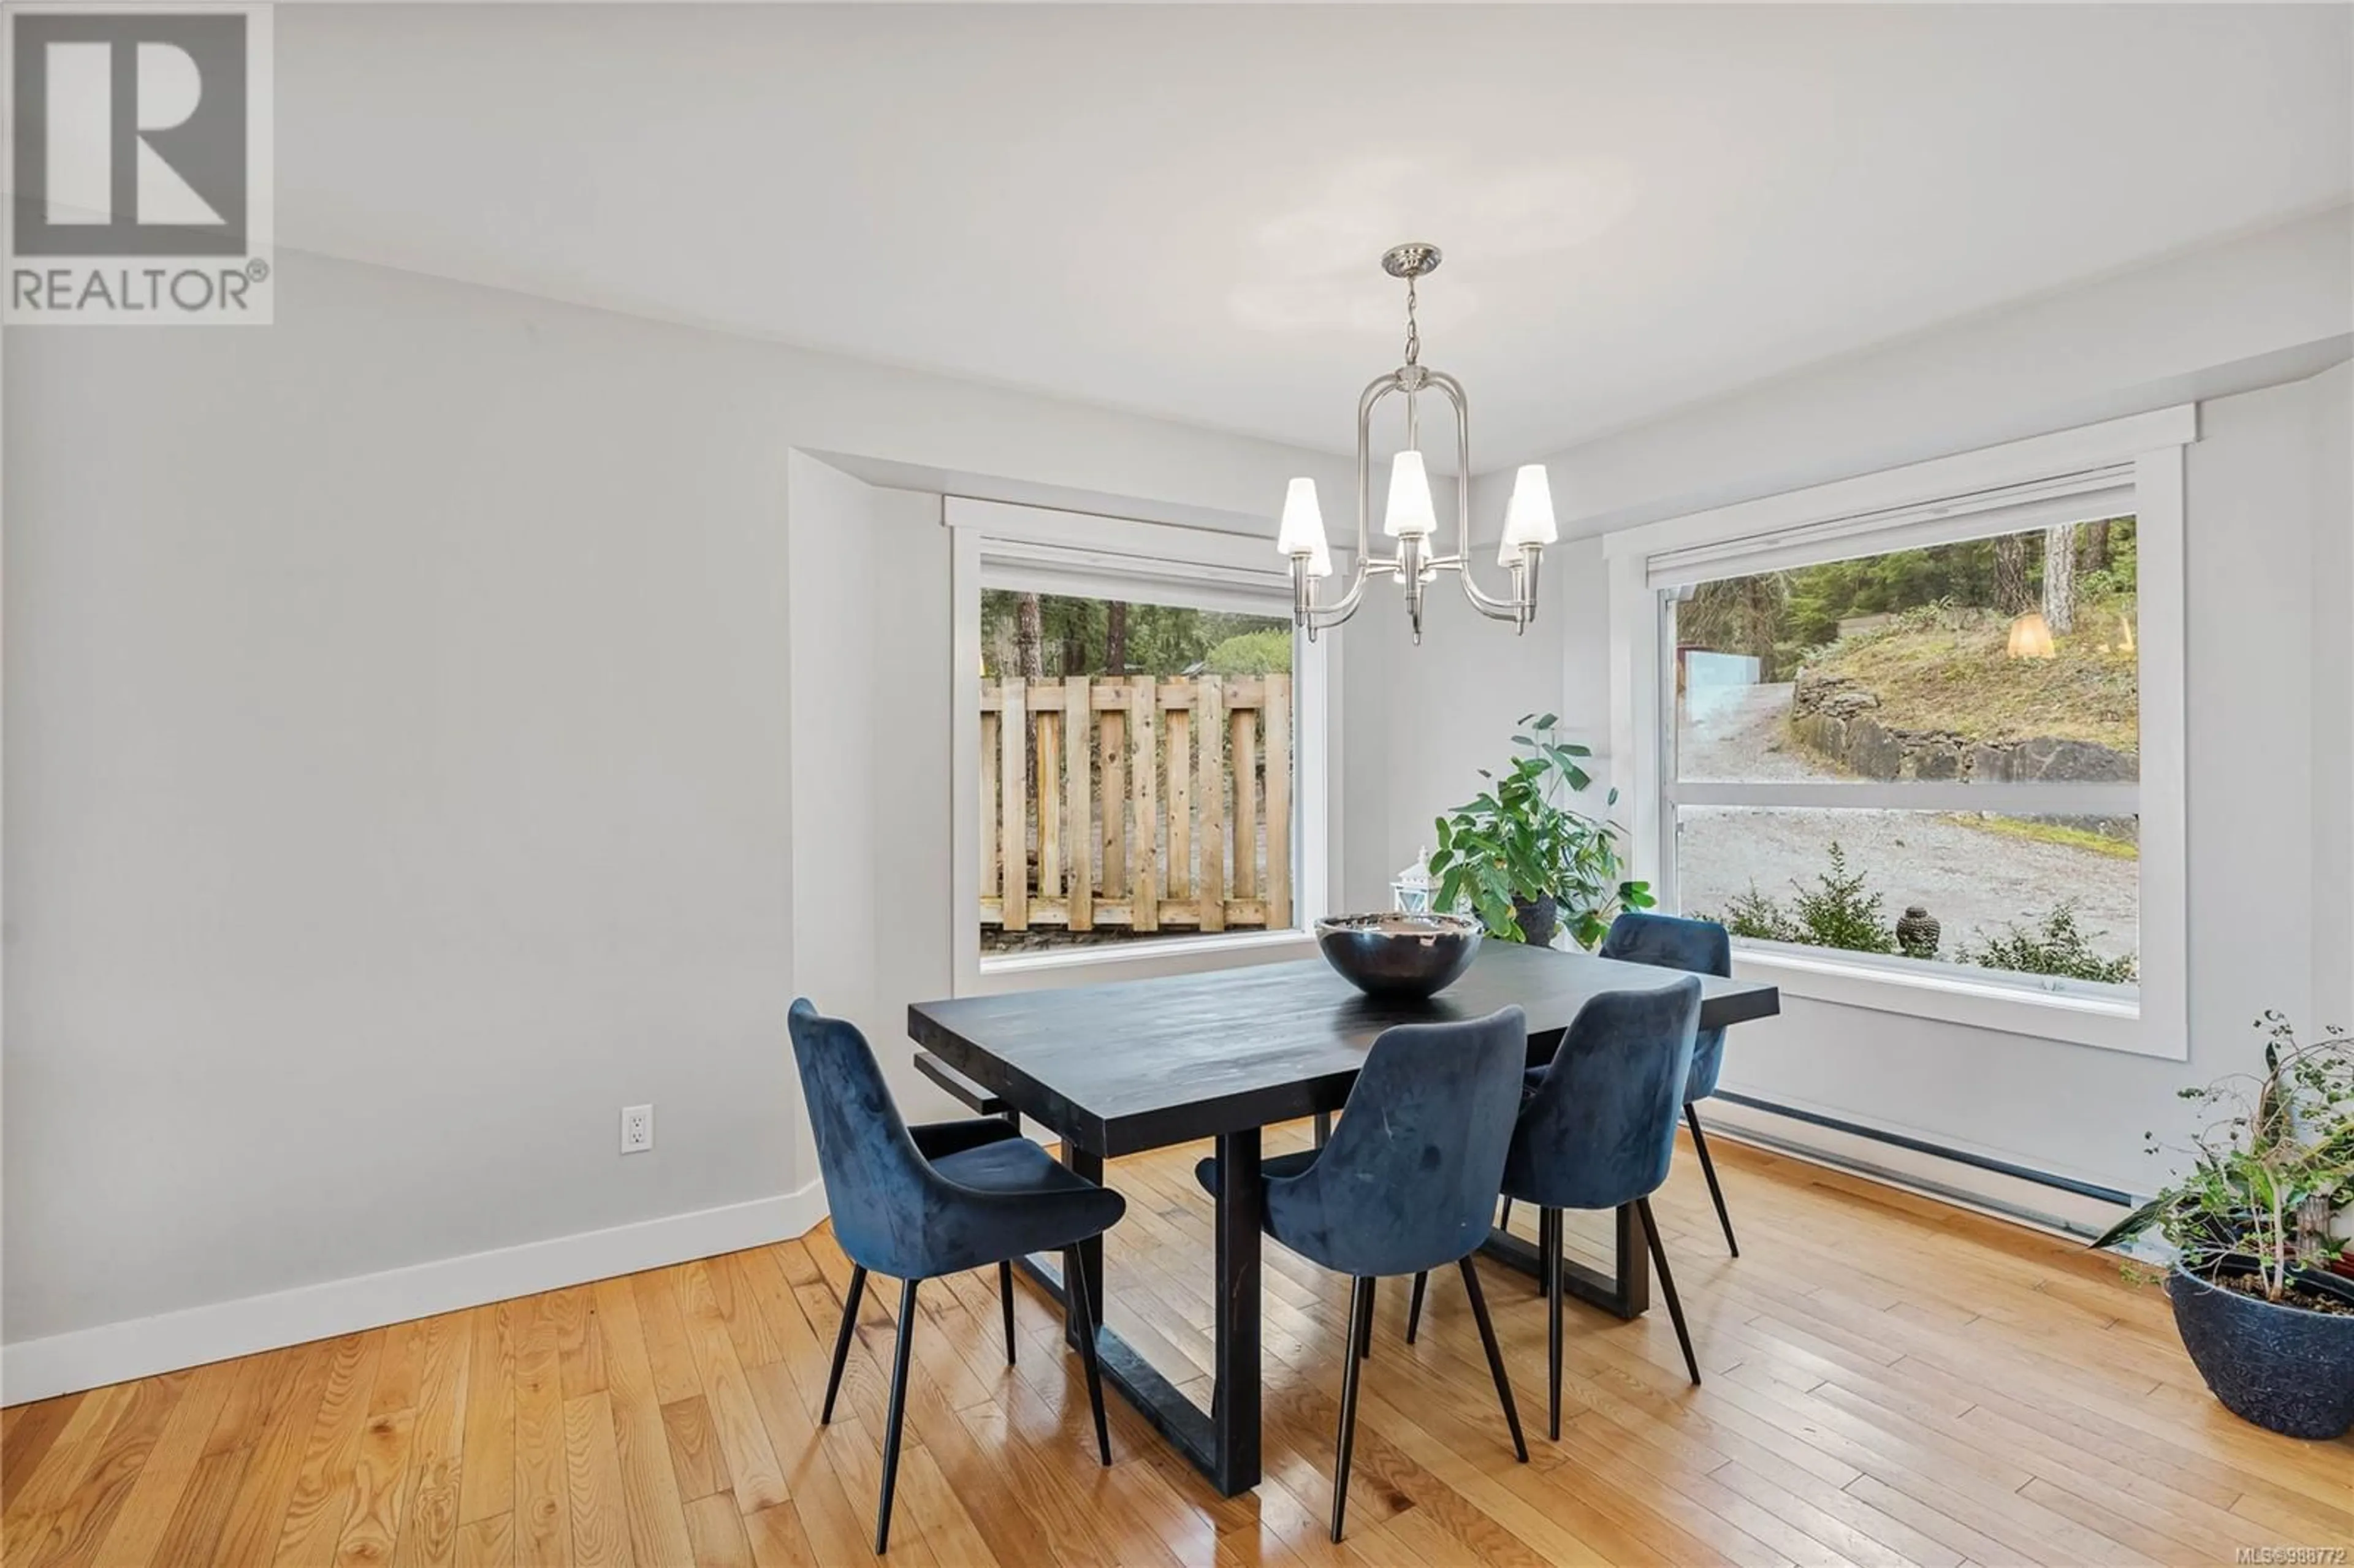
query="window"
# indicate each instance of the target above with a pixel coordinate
(1985, 662)
(1139, 738)
(1136, 770)
(1916, 739)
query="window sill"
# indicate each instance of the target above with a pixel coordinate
(1141, 960)
(2113, 1022)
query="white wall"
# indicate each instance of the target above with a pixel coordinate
(1452, 703)
(2333, 695)
(2230, 318)
(420, 717)
(830, 577)
(2265, 521)
(913, 925)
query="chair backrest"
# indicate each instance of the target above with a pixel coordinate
(878, 1186)
(1601, 1128)
(1409, 1178)
(1670, 942)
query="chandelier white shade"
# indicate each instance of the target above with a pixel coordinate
(1303, 528)
(1527, 517)
(1410, 511)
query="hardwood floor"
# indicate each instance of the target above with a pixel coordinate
(1889, 1380)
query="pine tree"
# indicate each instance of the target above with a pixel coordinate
(2059, 578)
(1029, 636)
(2010, 595)
(1115, 660)
(2092, 547)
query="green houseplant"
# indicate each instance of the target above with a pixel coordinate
(1520, 858)
(2269, 1325)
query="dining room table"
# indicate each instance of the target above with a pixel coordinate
(1122, 1068)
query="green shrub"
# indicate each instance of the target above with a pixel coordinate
(1253, 654)
(1757, 918)
(1838, 912)
(1835, 913)
(2054, 948)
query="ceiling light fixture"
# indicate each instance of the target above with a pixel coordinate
(1409, 515)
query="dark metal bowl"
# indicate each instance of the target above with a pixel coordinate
(1393, 956)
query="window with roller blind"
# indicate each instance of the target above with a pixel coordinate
(1916, 739)
(1137, 766)
(1144, 773)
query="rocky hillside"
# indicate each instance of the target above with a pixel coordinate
(1936, 695)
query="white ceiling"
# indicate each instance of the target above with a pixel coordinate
(1179, 210)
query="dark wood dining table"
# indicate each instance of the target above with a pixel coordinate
(1118, 1069)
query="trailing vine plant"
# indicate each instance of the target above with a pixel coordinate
(2267, 1175)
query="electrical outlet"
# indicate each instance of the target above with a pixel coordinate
(637, 1129)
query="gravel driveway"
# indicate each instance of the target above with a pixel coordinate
(1972, 879)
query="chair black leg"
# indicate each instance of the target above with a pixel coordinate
(1495, 1359)
(897, 1416)
(1505, 1222)
(842, 1341)
(1414, 1306)
(1323, 1129)
(1549, 1249)
(1365, 1331)
(1361, 1318)
(1084, 1310)
(1005, 1296)
(1667, 1287)
(1708, 1169)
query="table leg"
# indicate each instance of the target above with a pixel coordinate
(1634, 1283)
(1626, 1292)
(1224, 1443)
(1087, 1163)
(1235, 1411)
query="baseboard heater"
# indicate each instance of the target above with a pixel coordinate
(2061, 1204)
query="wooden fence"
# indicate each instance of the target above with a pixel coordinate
(1122, 800)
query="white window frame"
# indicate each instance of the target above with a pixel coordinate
(1903, 508)
(1001, 544)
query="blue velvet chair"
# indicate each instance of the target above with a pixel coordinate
(917, 1202)
(1597, 1130)
(1698, 947)
(1407, 1182)
(1600, 1131)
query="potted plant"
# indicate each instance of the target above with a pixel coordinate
(1522, 860)
(2269, 1325)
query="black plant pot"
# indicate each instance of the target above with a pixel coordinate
(1536, 920)
(2287, 1369)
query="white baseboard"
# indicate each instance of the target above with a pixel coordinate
(2018, 1198)
(142, 1347)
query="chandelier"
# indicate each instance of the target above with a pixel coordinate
(1410, 518)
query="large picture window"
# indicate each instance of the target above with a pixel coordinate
(1916, 738)
(2007, 659)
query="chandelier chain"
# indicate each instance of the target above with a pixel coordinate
(1413, 328)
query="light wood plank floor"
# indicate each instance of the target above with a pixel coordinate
(1889, 1380)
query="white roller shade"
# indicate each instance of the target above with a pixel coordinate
(1037, 549)
(1029, 567)
(2082, 497)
